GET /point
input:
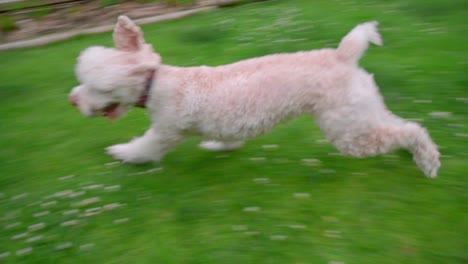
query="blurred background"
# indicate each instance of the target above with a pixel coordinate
(286, 197)
(23, 19)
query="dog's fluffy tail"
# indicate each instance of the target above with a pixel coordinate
(353, 45)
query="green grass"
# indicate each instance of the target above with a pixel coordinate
(7, 24)
(375, 210)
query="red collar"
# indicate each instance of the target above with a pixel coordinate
(145, 94)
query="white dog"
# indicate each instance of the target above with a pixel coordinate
(229, 104)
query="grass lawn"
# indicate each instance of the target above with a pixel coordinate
(286, 197)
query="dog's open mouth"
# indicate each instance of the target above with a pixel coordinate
(111, 111)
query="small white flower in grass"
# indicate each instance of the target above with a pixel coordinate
(76, 194)
(5, 255)
(112, 188)
(302, 195)
(461, 99)
(311, 162)
(332, 234)
(262, 180)
(47, 204)
(112, 206)
(9, 216)
(87, 202)
(404, 98)
(87, 246)
(93, 210)
(252, 233)
(88, 214)
(239, 228)
(297, 226)
(66, 177)
(93, 187)
(24, 251)
(441, 114)
(13, 225)
(19, 236)
(251, 209)
(63, 193)
(359, 173)
(70, 212)
(121, 221)
(257, 159)
(37, 226)
(64, 246)
(273, 146)
(461, 135)
(115, 163)
(34, 238)
(39, 214)
(278, 237)
(456, 125)
(145, 172)
(70, 223)
(422, 101)
(19, 196)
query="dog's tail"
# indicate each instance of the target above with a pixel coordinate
(353, 45)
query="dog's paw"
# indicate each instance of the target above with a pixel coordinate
(428, 162)
(119, 152)
(127, 154)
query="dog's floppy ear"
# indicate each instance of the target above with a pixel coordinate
(127, 35)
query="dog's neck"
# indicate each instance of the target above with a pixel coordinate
(146, 91)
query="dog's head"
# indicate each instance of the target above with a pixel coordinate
(113, 79)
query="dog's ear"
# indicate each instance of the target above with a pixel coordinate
(127, 35)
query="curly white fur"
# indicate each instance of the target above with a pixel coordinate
(229, 104)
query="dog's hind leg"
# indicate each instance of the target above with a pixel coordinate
(221, 145)
(386, 137)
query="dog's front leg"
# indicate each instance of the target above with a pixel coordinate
(150, 147)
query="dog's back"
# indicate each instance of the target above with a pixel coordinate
(270, 89)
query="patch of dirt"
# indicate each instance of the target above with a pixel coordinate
(89, 14)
